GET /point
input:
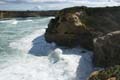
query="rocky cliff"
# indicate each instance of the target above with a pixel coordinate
(111, 73)
(107, 50)
(96, 29)
(79, 25)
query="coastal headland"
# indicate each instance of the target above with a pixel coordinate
(95, 29)
(23, 14)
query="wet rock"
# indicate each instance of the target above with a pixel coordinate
(110, 73)
(107, 50)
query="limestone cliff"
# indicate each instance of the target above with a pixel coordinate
(96, 29)
(107, 50)
(79, 25)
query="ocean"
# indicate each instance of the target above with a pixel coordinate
(25, 55)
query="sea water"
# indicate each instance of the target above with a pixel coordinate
(24, 53)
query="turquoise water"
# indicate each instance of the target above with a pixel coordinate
(14, 29)
(25, 55)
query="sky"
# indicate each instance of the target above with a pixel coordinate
(36, 1)
(27, 1)
(53, 4)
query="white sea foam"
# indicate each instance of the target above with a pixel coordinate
(29, 20)
(25, 43)
(35, 64)
(55, 55)
(14, 22)
(39, 68)
(71, 63)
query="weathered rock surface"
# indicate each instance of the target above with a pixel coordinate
(96, 29)
(78, 26)
(107, 50)
(111, 73)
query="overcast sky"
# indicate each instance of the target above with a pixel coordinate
(31, 4)
(27, 1)
(34, 1)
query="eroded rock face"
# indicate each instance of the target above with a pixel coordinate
(68, 30)
(96, 29)
(107, 50)
(111, 73)
(78, 26)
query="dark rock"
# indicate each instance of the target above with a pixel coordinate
(83, 51)
(78, 26)
(107, 50)
(96, 29)
(68, 30)
(110, 73)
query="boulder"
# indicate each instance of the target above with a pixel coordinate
(110, 73)
(78, 26)
(107, 50)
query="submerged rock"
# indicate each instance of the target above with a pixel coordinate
(111, 73)
(78, 26)
(107, 50)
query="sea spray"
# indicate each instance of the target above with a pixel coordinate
(55, 55)
(18, 65)
(14, 22)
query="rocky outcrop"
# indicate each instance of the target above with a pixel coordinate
(68, 30)
(106, 54)
(78, 26)
(107, 50)
(96, 29)
(111, 73)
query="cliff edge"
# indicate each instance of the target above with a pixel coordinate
(79, 25)
(95, 29)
